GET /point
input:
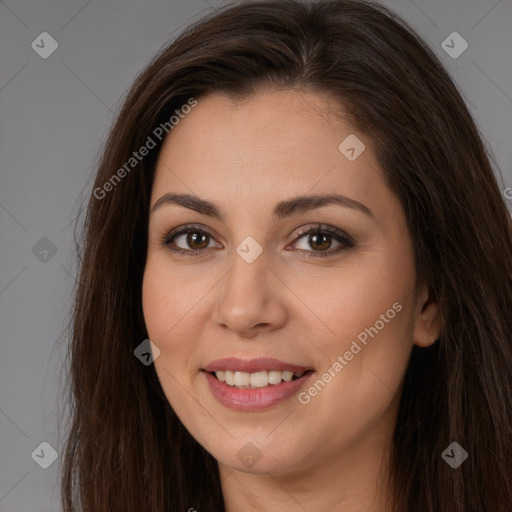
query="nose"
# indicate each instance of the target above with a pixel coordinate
(250, 299)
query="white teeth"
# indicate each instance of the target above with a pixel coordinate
(274, 377)
(242, 379)
(256, 379)
(287, 376)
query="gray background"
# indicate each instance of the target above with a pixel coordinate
(55, 113)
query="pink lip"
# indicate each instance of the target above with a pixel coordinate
(253, 365)
(253, 399)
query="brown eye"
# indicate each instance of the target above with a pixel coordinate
(320, 239)
(190, 240)
(197, 240)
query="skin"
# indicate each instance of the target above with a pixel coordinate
(246, 156)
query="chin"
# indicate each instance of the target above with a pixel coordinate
(258, 456)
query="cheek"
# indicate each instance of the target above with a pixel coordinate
(155, 303)
(173, 315)
(164, 301)
(165, 315)
(363, 302)
(370, 316)
(360, 383)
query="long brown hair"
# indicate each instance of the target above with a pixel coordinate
(126, 449)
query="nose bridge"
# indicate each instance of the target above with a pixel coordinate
(249, 270)
(246, 300)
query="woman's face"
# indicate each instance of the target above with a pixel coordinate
(249, 293)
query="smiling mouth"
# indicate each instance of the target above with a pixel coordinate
(257, 380)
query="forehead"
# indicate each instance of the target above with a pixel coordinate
(279, 138)
(248, 156)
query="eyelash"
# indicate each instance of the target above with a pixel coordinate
(346, 241)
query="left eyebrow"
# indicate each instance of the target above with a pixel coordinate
(283, 209)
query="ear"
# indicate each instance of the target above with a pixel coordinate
(428, 321)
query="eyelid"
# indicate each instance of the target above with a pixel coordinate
(318, 226)
(168, 236)
(345, 240)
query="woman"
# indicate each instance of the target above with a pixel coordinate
(296, 207)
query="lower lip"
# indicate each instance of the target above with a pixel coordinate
(254, 399)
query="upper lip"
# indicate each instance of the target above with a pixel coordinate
(253, 365)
